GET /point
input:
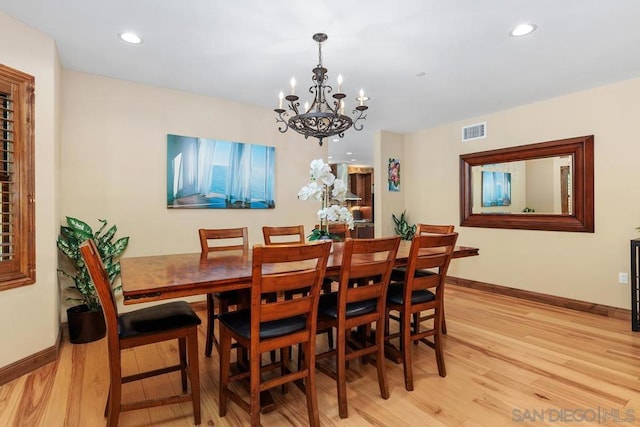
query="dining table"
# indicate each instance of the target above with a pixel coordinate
(161, 277)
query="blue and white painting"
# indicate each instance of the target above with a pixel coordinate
(214, 174)
(496, 189)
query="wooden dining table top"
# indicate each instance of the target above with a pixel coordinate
(159, 277)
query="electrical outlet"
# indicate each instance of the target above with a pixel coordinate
(623, 278)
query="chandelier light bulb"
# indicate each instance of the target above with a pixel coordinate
(293, 85)
(280, 98)
(339, 83)
(306, 106)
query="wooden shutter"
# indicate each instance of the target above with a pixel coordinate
(17, 234)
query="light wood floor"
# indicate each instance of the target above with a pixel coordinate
(509, 362)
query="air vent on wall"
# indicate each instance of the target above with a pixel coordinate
(477, 131)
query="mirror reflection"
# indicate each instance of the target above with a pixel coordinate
(533, 186)
(541, 186)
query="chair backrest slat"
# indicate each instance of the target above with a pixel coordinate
(434, 229)
(239, 235)
(282, 282)
(292, 234)
(285, 308)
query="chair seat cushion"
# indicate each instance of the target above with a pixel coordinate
(395, 295)
(328, 306)
(240, 323)
(397, 274)
(231, 297)
(163, 317)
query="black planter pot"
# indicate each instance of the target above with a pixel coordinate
(85, 325)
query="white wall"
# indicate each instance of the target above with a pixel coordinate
(388, 145)
(114, 161)
(583, 266)
(29, 315)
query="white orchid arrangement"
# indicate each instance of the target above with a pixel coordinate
(323, 186)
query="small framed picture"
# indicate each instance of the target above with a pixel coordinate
(394, 174)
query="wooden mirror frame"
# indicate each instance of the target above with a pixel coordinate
(582, 218)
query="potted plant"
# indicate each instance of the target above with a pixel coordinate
(86, 322)
(323, 186)
(402, 227)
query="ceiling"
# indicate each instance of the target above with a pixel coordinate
(247, 50)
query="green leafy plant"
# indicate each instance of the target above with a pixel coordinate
(69, 240)
(319, 233)
(402, 227)
(527, 209)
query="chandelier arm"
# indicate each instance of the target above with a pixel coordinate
(281, 119)
(293, 106)
(361, 116)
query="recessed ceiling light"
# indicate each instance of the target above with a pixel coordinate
(129, 37)
(335, 140)
(329, 157)
(523, 30)
(353, 160)
(349, 153)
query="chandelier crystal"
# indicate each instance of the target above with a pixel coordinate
(325, 116)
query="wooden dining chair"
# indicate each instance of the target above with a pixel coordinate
(339, 229)
(359, 301)
(421, 293)
(398, 273)
(271, 325)
(283, 235)
(174, 320)
(216, 240)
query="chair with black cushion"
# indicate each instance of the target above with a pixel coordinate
(341, 231)
(291, 235)
(283, 235)
(359, 302)
(398, 273)
(216, 240)
(270, 325)
(174, 320)
(421, 293)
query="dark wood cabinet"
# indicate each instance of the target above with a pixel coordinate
(364, 230)
(361, 186)
(635, 285)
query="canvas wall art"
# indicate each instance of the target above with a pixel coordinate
(215, 174)
(496, 188)
(394, 174)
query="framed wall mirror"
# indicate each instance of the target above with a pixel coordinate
(543, 186)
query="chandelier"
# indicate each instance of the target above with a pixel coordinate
(324, 117)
